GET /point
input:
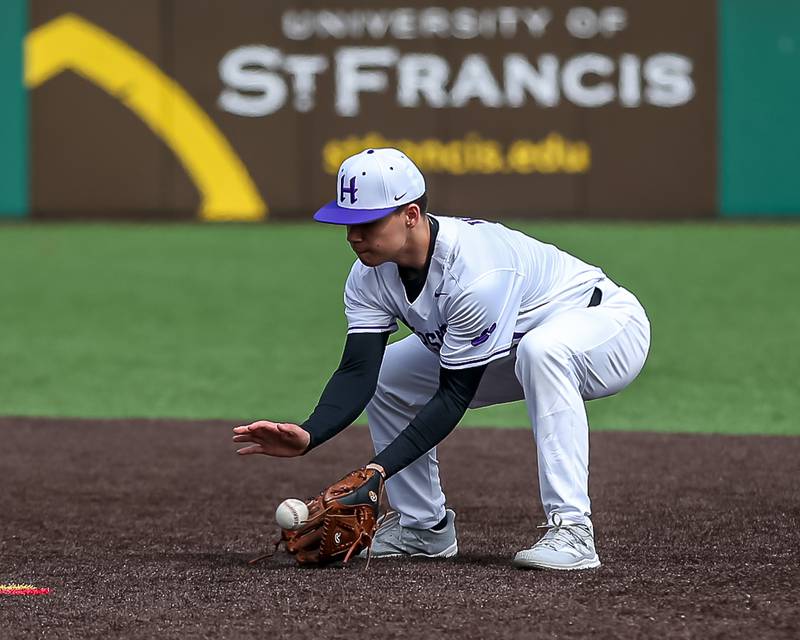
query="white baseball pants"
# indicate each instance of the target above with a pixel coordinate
(576, 355)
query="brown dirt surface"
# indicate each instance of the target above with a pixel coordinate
(144, 530)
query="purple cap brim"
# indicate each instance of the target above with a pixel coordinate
(332, 213)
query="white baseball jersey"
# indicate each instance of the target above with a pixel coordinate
(486, 287)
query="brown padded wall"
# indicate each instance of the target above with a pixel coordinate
(91, 156)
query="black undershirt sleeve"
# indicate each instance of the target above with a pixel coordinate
(435, 420)
(350, 388)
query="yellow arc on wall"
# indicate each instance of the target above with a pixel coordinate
(71, 42)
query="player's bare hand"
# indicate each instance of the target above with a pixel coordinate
(282, 439)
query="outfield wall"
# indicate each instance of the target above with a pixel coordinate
(14, 188)
(759, 135)
(242, 109)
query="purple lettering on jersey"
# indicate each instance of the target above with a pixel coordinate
(349, 190)
(432, 340)
(472, 221)
(475, 342)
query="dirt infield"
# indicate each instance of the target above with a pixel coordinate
(143, 530)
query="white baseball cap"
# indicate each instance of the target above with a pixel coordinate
(370, 185)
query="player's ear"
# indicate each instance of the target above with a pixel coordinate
(412, 214)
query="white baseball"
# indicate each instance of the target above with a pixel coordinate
(291, 513)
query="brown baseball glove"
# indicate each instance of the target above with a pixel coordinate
(341, 520)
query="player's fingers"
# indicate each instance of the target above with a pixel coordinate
(243, 438)
(254, 426)
(253, 448)
(266, 432)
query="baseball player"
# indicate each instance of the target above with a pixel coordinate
(496, 316)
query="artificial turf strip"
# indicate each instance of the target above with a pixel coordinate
(207, 321)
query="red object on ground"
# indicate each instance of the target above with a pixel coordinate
(22, 590)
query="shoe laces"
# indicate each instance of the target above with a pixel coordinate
(559, 534)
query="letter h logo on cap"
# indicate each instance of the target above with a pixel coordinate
(349, 190)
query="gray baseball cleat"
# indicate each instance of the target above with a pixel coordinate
(564, 546)
(393, 540)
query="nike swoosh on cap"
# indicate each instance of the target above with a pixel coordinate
(396, 198)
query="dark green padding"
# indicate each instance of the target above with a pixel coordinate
(13, 110)
(759, 119)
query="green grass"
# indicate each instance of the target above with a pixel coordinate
(205, 321)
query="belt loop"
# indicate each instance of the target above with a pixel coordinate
(597, 297)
